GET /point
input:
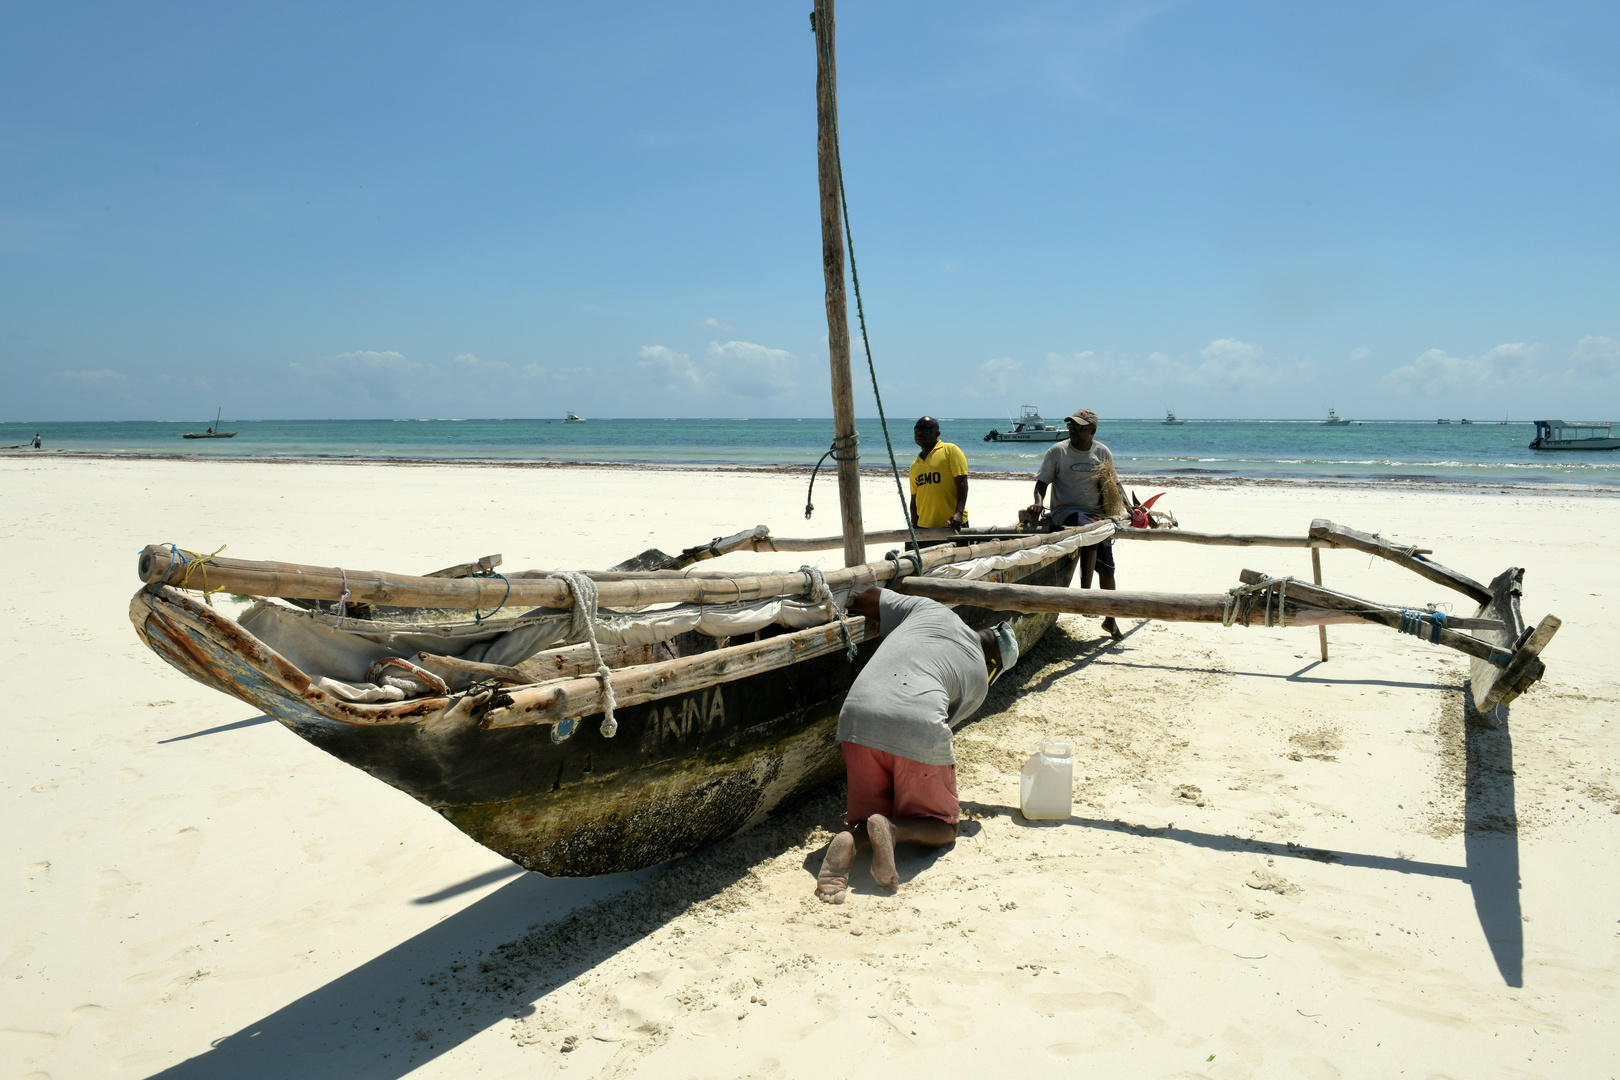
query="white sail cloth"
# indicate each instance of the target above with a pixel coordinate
(1096, 533)
(337, 653)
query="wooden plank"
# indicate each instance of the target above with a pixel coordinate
(1316, 576)
(1167, 607)
(1371, 611)
(1523, 671)
(157, 563)
(1506, 589)
(1342, 536)
(832, 268)
(892, 536)
(653, 559)
(468, 569)
(562, 699)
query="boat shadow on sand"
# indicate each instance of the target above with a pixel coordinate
(1489, 827)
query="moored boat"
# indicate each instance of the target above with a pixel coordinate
(1170, 417)
(1333, 420)
(1029, 427)
(213, 432)
(1565, 435)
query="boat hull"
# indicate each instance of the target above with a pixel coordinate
(1576, 444)
(682, 771)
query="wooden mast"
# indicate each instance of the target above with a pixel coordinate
(832, 266)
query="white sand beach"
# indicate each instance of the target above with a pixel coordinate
(1275, 867)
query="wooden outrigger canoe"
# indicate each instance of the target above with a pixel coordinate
(707, 743)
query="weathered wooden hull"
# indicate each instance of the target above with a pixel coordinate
(682, 771)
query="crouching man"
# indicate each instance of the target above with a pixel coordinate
(929, 675)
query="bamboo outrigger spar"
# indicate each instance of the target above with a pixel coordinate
(589, 722)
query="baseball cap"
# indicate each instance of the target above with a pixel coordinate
(1083, 417)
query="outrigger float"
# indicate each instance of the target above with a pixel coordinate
(607, 721)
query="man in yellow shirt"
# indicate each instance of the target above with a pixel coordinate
(939, 483)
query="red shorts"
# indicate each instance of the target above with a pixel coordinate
(880, 783)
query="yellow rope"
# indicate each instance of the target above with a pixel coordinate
(195, 560)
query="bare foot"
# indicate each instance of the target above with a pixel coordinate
(880, 830)
(1113, 629)
(833, 881)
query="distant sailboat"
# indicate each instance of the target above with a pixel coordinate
(213, 432)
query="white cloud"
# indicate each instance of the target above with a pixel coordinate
(715, 324)
(100, 377)
(1596, 356)
(1437, 372)
(369, 374)
(1003, 374)
(735, 369)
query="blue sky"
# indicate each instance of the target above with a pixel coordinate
(1234, 209)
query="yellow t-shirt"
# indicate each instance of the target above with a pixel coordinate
(933, 484)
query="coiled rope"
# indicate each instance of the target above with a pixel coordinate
(825, 55)
(816, 587)
(584, 626)
(1241, 600)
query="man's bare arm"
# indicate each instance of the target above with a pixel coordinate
(959, 518)
(914, 510)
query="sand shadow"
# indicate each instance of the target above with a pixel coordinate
(488, 962)
(1295, 677)
(252, 721)
(1491, 835)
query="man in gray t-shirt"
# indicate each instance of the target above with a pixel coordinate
(1071, 468)
(929, 676)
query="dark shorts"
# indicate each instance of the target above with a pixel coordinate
(1105, 550)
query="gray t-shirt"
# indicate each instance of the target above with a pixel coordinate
(926, 678)
(1073, 476)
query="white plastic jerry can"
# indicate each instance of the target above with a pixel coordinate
(1048, 784)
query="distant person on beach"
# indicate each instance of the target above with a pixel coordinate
(928, 676)
(1077, 471)
(939, 482)
(37, 443)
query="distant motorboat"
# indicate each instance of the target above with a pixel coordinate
(1563, 435)
(1170, 417)
(573, 418)
(1442, 421)
(1465, 420)
(1029, 427)
(1334, 421)
(213, 432)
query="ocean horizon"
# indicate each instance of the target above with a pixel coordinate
(1483, 452)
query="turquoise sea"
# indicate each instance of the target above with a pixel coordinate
(1479, 453)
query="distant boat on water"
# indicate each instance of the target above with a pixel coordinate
(1583, 435)
(573, 418)
(1170, 417)
(213, 432)
(1465, 420)
(1442, 421)
(1334, 421)
(1029, 427)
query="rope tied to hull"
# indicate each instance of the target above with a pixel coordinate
(584, 626)
(478, 617)
(1242, 599)
(816, 587)
(193, 562)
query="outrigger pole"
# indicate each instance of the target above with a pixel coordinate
(846, 440)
